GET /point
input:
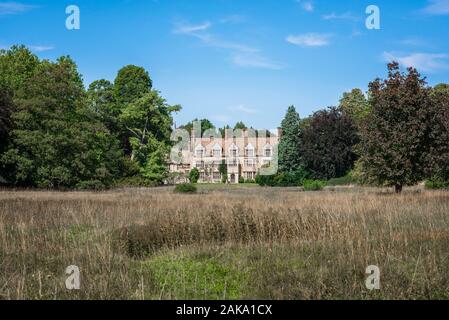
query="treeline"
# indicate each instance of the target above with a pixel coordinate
(56, 134)
(397, 135)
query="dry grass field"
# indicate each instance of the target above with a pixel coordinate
(224, 243)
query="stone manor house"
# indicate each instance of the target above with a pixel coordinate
(244, 152)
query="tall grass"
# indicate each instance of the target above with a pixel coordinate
(224, 243)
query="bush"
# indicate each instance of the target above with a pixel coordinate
(185, 188)
(194, 175)
(284, 179)
(94, 185)
(437, 183)
(342, 181)
(241, 180)
(314, 185)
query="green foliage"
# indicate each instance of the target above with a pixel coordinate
(55, 143)
(395, 142)
(355, 105)
(343, 181)
(241, 180)
(327, 144)
(240, 126)
(131, 83)
(284, 179)
(437, 183)
(314, 185)
(205, 125)
(194, 175)
(223, 169)
(289, 155)
(185, 188)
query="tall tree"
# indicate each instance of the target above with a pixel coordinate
(327, 144)
(439, 133)
(289, 154)
(205, 125)
(54, 142)
(394, 138)
(5, 115)
(240, 126)
(132, 83)
(149, 123)
(355, 105)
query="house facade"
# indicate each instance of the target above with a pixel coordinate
(243, 152)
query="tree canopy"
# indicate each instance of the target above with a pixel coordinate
(289, 152)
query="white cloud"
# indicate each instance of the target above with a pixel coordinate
(41, 48)
(241, 55)
(309, 39)
(14, 8)
(343, 16)
(437, 7)
(244, 109)
(235, 18)
(306, 5)
(427, 62)
(191, 29)
(254, 60)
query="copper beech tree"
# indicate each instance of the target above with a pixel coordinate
(395, 137)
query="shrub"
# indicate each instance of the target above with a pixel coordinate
(185, 188)
(342, 181)
(436, 183)
(95, 185)
(136, 181)
(194, 175)
(284, 179)
(241, 180)
(314, 185)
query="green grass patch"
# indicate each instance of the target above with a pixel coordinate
(195, 276)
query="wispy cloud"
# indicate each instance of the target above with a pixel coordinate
(437, 7)
(8, 8)
(306, 5)
(241, 55)
(184, 28)
(310, 39)
(233, 19)
(413, 41)
(342, 16)
(244, 109)
(428, 62)
(41, 48)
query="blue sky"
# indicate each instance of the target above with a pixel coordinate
(230, 60)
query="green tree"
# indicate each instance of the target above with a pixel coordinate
(149, 123)
(54, 141)
(101, 101)
(205, 125)
(194, 175)
(240, 126)
(355, 105)
(17, 66)
(131, 83)
(439, 134)
(223, 169)
(327, 144)
(395, 143)
(289, 156)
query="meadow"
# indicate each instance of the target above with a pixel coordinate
(226, 242)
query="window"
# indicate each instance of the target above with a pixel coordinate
(217, 176)
(267, 151)
(250, 175)
(199, 151)
(232, 163)
(249, 163)
(217, 151)
(233, 151)
(249, 151)
(200, 164)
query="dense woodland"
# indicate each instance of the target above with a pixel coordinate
(55, 134)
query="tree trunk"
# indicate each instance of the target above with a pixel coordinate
(398, 188)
